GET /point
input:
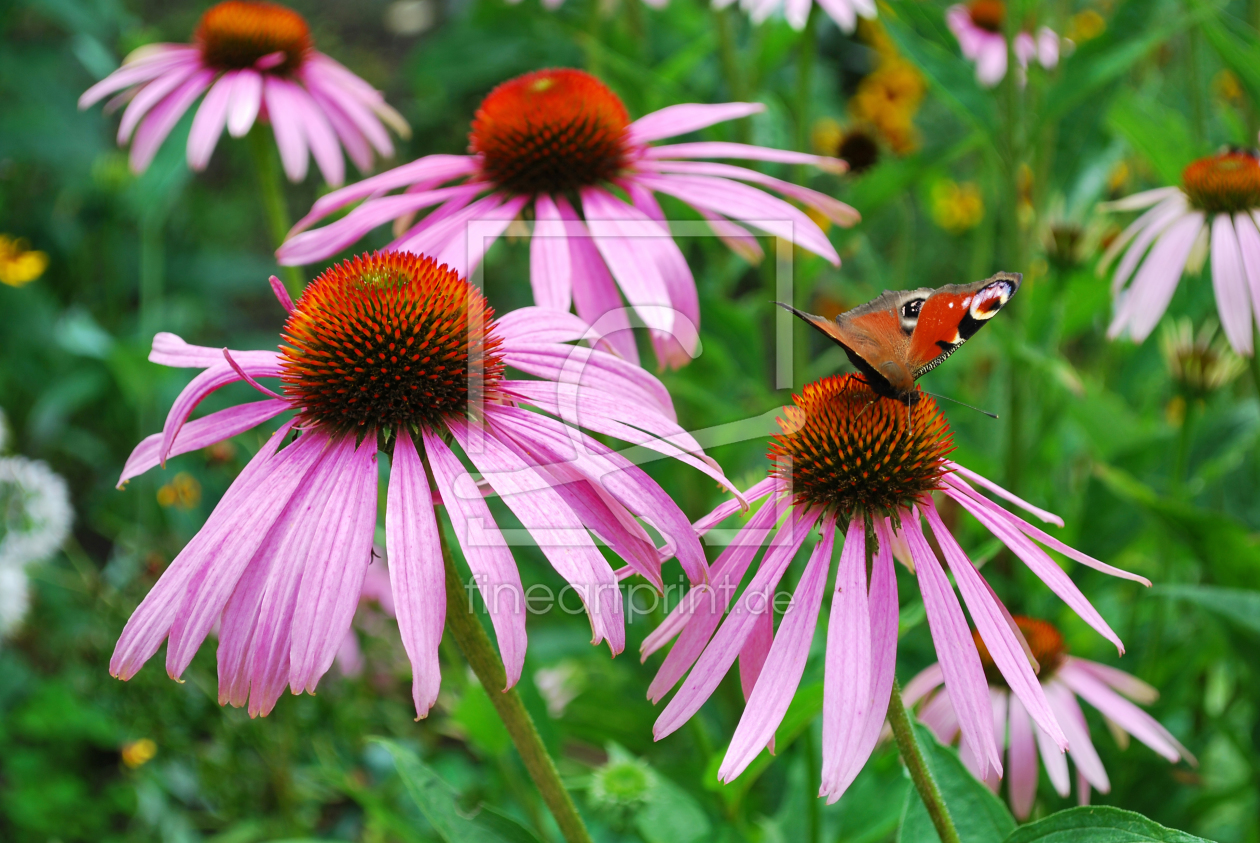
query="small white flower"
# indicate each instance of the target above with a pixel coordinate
(35, 512)
(15, 598)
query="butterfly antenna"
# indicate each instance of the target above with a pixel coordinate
(963, 403)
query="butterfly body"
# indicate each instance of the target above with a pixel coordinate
(904, 334)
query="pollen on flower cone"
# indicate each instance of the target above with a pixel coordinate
(845, 448)
(237, 33)
(1225, 183)
(550, 131)
(389, 339)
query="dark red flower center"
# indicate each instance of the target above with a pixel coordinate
(1224, 183)
(551, 131)
(845, 449)
(389, 339)
(236, 34)
(859, 149)
(989, 15)
(1043, 639)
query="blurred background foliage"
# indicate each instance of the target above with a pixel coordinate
(1153, 470)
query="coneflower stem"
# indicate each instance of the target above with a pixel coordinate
(920, 773)
(269, 181)
(471, 638)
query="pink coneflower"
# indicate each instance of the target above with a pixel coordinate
(846, 462)
(1218, 205)
(547, 138)
(978, 26)
(392, 352)
(844, 12)
(1064, 678)
(250, 58)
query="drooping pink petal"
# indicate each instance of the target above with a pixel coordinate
(940, 717)
(431, 238)
(738, 239)
(319, 136)
(721, 652)
(1249, 244)
(833, 209)
(847, 675)
(558, 531)
(620, 232)
(486, 552)
(209, 121)
(781, 674)
(1047, 48)
(201, 433)
(416, 569)
(1123, 713)
(159, 122)
(316, 78)
(149, 624)
(550, 270)
(1004, 648)
(1126, 683)
(578, 374)
(245, 103)
(1054, 759)
(148, 97)
(923, 683)
(1138, 201)
(596, 299)
(1021, 761)
(726, 509)
(797, 13)
(753, 656)
(675, 120)
(748, 205)
(333, 581)
(1146, 229)
(208, 381)
(171, 350)
(681, 345)
(700, 611)
(964, 675)
(430, 168)
(1040, 563)
(981, 480)
(991, 61)
(222, 553)
(465, 249)
(356, 145)
(540, 325)
(746, 151)
(1229, 282)
(142, 70)
(1153, 288)
(284, 111)
(1072, 719)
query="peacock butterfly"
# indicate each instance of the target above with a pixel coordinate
(902, 335)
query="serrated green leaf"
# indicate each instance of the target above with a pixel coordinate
(1098, 824)
(979, 815)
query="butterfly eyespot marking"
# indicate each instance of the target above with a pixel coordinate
(990, 300)
(910, 310)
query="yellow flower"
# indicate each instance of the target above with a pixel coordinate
(183, 492)
(888, 99)
(825, 136)
(1226, 86)
(18, 264)
(956, 207)
(1086, 25)
(139, 752)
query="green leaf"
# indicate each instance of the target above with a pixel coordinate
(671, 815)
(1098, 824)
(979, 815)
(1239, 605)
(1238, 49)
(437, 801)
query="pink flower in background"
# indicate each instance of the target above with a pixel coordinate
(844, 12)
(1216, 211)
(376, 589)
(978, 26)
(1064, 678)
(250, 59)
(547, 137)
(394, 352)
(846, 463)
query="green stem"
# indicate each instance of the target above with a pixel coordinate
(1254, 362)
(152, 273)
(920, 773)
(805, 62)
(1182, 461)
(269, 181)
(471, 638)
(813, 820)
(728, 53)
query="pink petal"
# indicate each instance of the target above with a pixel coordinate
(981, 480)
(286, 123)
(595, 297)
(847, 677)
(356, 146)
(726, 509)
(991, 61)
(680, 119)
(752, 658)
(682, 344)
(746, 204)
(208, 381)
(1021, 761)
(620, 232)
(333, 581)
(464, 253)
(209, 120)
(1126, 683)
(416, 568)
(530, 325)
(201, 433)
(320, 135)
(1006, 651)
(141, 71)
(1123, 713)
(159, 122)
(745, 151)
(788, 654)
(1146, 228)
(1153, 288)
(964, 675)
(721, 652)
(321, 86)
(1088, 764)
(149, 96)
(1249, 243)
(737, 238)
(550, 270)
(485, 551)
(245, 102)
(1229, 281)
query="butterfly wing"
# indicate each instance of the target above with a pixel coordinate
(951, 315)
